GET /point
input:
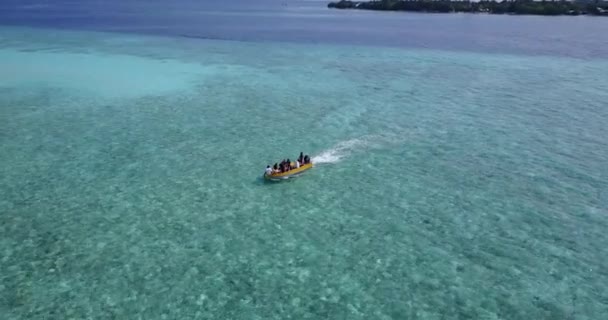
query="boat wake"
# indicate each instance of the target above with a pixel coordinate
(341, 150)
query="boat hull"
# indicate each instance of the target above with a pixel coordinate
(289, 174)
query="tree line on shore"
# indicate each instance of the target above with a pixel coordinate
(561, 7)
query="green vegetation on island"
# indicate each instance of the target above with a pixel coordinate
(580, 7)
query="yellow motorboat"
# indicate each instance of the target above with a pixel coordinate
(288, 174)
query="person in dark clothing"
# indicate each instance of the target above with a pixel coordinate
(301, 157)
(275, 167)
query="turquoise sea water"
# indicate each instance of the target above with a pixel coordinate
(448, 185)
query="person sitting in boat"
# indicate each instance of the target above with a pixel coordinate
(268, 170)
(301, 157)
(288, 165)
(306, 159)
(297, 164)
(275, 168)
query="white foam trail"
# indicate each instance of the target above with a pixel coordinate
(340, 150)
(327, 157)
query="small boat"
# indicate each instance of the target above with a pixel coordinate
(288, 174)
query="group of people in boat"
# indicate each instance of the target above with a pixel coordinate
(286, 165)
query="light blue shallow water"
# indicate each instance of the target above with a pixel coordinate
(448, 185)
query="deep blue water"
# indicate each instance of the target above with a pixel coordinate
(313, 22)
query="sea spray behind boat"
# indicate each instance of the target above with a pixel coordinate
(343, 149)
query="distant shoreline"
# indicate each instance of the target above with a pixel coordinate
(516, 7)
